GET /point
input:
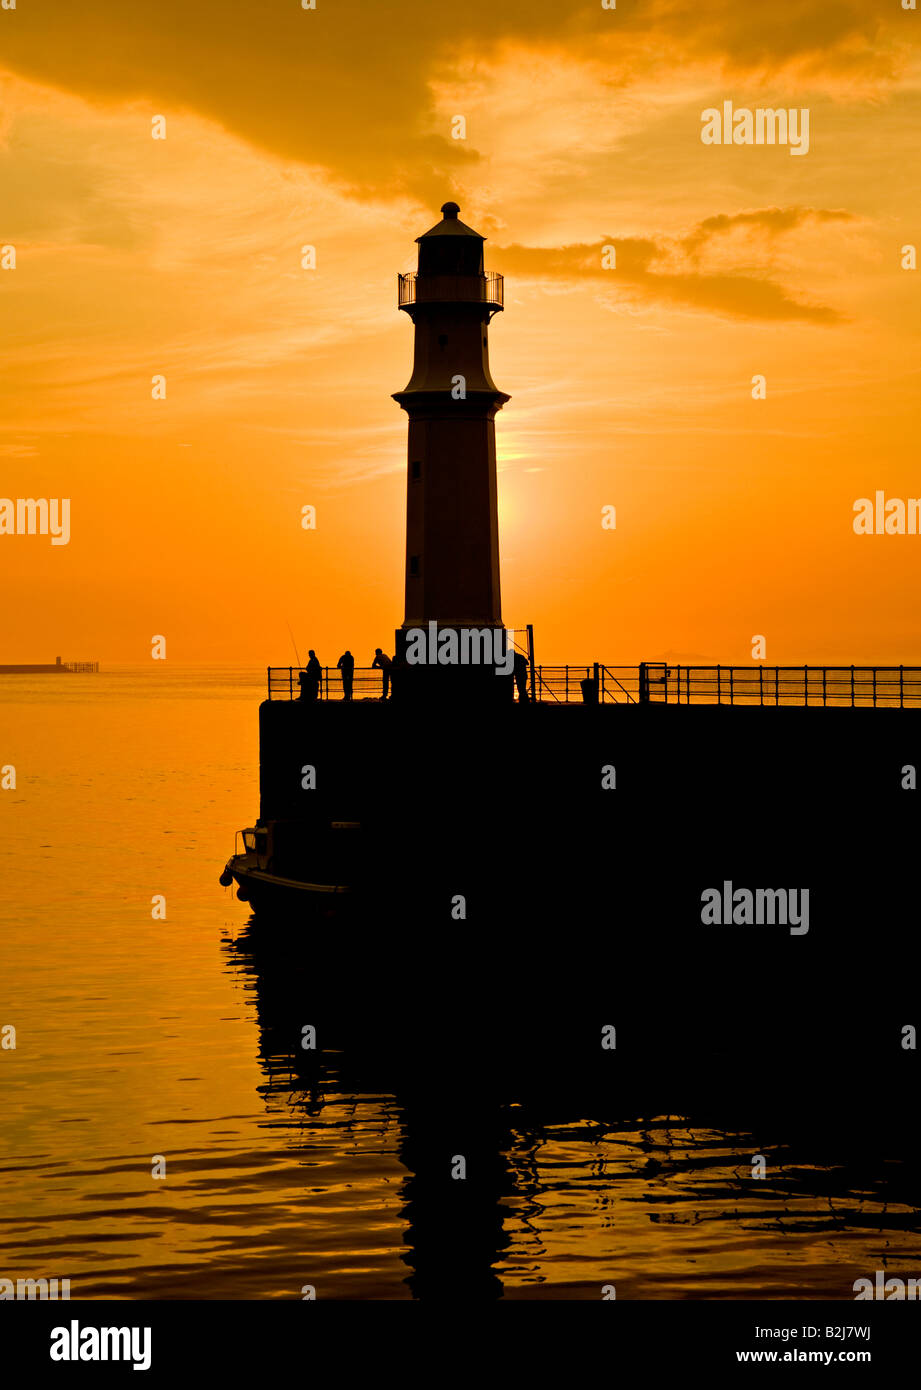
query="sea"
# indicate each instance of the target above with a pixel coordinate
(154, 1146)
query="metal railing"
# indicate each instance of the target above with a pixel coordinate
(550, 684)
(488, 288)
(367, 683)
(563, 684)
(894, 687)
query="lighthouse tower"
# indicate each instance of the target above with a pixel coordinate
(452, 525)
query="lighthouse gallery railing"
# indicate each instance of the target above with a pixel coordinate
(488, 288)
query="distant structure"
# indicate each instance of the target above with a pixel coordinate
(452, 523)
(82, 667)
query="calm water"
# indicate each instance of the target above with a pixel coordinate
(138, 1038)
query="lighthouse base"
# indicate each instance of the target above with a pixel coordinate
(463, 666)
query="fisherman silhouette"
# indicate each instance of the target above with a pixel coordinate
(384, 663)
(521, 677)
(346, 665)
(309, 680)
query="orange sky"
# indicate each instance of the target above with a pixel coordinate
(629, 387)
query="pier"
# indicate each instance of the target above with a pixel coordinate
(70, 667)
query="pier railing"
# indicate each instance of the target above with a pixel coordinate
(564, 684)
(892, 687)
(367, 683)
(855, 686)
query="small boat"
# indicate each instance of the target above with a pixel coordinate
(268, 871)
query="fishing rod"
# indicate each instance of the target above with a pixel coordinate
(294, 645)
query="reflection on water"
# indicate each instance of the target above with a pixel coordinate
(560, 1202)
(139, 1038)
(672, 1212)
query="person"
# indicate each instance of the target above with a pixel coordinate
(309, 680)
(346, 665)
(384, 662)
(521, 677)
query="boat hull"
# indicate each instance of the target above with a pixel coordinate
(272, 893)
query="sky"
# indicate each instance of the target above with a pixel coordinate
(631, 386)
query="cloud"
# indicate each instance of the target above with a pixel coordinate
(347, 87)
(663, 271)
(770, 220)
(825, 39)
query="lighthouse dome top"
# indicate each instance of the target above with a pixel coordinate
(450, 225)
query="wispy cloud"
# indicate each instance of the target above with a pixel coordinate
(664, 270)
(772, 221)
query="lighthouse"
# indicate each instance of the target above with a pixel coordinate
(452, 523)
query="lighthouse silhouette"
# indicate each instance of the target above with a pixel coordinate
(452, 524)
